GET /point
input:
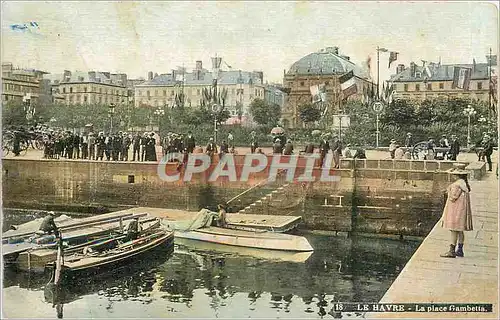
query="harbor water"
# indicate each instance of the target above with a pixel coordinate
(189, 281)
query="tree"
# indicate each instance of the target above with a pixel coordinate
(264, 113)
(308, 113)
(399, 113)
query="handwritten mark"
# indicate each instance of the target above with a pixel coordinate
(25, 26)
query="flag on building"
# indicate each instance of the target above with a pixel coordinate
(393, 56)
(348, 84)
(315, 93)
(318, 93)
(461, 77)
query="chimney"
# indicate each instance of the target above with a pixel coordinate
(150, 75)
(413, 69)
(92, 76)
(123, 78)
(259, 75)
(199, 65)
(174, 74)
(67, 76)
(400, 68)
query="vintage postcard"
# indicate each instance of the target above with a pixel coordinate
(249, 159)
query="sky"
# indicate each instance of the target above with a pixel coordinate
(137, 37)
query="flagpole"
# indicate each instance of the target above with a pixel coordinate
(378, 71)
(490, 87)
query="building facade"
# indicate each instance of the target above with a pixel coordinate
(415, 82)
(19, 84)
(274, 94)
(320, 68)
(91, 87)
(161, 90)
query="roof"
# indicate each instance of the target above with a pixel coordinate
(441, 72)
(100, 77)
(326, 61)
(225, 77)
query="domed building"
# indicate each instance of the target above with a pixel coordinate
(320, 68)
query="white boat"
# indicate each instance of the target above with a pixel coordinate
(264, 254)
(248, 239)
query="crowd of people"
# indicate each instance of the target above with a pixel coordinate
(91, 146)
(116, 147)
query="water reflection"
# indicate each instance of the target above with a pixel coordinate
(193, 282)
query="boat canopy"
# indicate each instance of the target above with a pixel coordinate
(202, 219)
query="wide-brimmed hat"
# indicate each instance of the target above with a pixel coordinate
(393, 140)
(458, 168)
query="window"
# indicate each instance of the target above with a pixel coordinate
(85, 98)
(156, 92)
(441, 86)
(429, 86)
(198, 91)
(85, 89)
(256, 92)
(406, 86)
(479, 85)
(417, 87)
(64, 90)
(100, 99)
(148, 93)
(302, 83)
(164, 92)
(100, 90)
(232, 91)
(71, 90)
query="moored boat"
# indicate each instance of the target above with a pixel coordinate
(248, 239)
(33, 257)
(86, 261)
(263, 254)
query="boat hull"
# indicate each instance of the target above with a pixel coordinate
(194, 246)
(96, 265)
(248, 239)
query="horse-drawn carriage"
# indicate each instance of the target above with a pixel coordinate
(420, 152)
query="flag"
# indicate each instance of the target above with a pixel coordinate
(348, 84)
(461, 77)
(393, 56)
(427, 70)
(318, 93)
(322, 92)
(491, 60)
(315, 93)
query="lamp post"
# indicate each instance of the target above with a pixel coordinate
(377, 107)
(378, 68)
(159, 112)
(215, 110)
(469, 112)
(111, 112)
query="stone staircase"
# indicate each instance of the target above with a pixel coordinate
(273, 196)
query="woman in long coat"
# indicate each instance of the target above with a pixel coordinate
(457, 214)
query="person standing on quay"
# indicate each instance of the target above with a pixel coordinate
(457, 213)
(454, 148)
(487, 150)
(409, 140)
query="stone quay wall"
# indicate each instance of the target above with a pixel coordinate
(401, 197)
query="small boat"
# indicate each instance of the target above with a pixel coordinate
(34, 257)
(264, 254)
(86, 261)
(248, 239)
